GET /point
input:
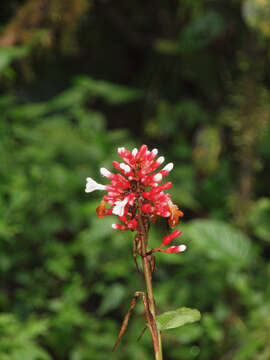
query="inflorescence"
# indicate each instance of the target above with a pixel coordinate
(137, 193)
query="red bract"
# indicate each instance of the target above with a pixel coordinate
(138, 182)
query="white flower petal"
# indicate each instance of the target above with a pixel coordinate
(105, 172)
(182, 247)
(120, 149)
(157, 177)
(161, 159)
(92, 185)
(125, 167)
(168, 167)
(119, 207)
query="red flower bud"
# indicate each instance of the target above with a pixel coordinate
(132, 224)
(175, 233)
(176, 249)
(118, 227)
(167, 239)
(147, 208)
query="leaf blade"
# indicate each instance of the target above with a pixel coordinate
(176, 318)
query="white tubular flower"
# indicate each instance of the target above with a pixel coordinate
(92, 185)
(157, 177)
(155, 152)
(120, 150)
(105, 172)
(125, 167)
(119, 207)
(134, 151)
(118, 227)
(161, 159)
(168, 167)
(182, 247)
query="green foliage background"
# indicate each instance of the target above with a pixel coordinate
(79, 79)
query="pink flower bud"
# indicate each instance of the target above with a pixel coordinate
(116, 165)
(168, 167)
(160, 160)
(167, 185)
(142, 152)
(176, 249)
(125, 155)
(106, 173)
(118, 227)
(156, 190)
(125, 168)
(151, 180)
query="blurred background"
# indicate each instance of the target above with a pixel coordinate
(80, 78)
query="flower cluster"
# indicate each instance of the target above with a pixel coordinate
(136, 192)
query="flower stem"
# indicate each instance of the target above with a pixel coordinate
(148, 279)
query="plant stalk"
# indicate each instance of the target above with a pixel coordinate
(148, 279)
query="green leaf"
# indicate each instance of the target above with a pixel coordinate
(258, 218)
(249, 350)
(176, 318)
(112, 299)
(8, 54)
(220, 241)
(111, 93)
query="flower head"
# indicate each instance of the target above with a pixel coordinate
(137, 191)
